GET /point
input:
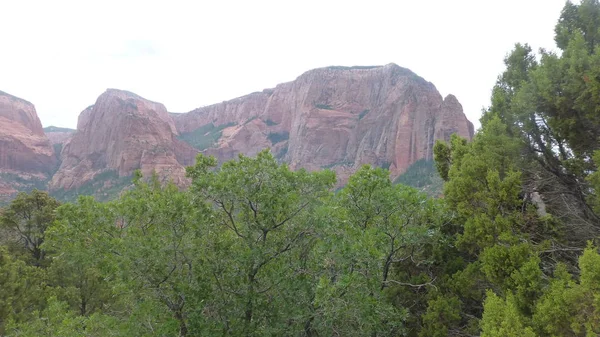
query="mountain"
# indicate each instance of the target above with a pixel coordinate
(120, 133)
(26, 156)
(336, 117)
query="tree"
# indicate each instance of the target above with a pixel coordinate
(82, 245)
(260, 221)
(23, 289)
(571, 307)
(502, 318)
(496, 228)
(526, 188)
(26, 220)
(137, 255)
(552, 106)
(377, 254)
(161, 257)
(57, 320)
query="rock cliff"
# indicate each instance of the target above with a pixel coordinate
(120, 133)
(23, 145)
(335, 117)
(26, 155)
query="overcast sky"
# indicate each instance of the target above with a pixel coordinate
(61, 55)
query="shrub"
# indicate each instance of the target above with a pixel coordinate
(277, 137)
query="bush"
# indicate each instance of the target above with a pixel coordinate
(277, 137)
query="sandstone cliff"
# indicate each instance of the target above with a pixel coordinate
(120, 133)
(26, 156)
(335, 117)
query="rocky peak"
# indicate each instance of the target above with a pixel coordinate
(335, 117)
(20, 111)
(120, 133)
(137, 102)
(453, 120)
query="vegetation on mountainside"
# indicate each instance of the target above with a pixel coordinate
(104, 186)
(277, 137)
(255, 249)
(25, 184)
(205, 136)
(324, 106)
(423, 176)
(270, 122)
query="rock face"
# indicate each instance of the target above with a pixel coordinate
(26, 155)
(24, 148)
(336, 117)
(58, 136)
(120, 133)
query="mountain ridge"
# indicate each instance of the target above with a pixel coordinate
(334, 117)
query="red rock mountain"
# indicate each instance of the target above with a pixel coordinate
(335, 117)
(120, 133)
(25, 151)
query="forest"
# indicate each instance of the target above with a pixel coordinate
(253, 248)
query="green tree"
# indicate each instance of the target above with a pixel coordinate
(82, 245)
(502, 318)
(551, 105)
(26, 219)
(58, 321)
(136, 259)
(528, 197)
(260, 222)
(377, 256)
(22, 289)
(161, 258)
(571, 307)
(494, 227)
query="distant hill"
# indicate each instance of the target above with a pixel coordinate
(57, 129)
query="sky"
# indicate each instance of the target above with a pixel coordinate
(61, 55)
